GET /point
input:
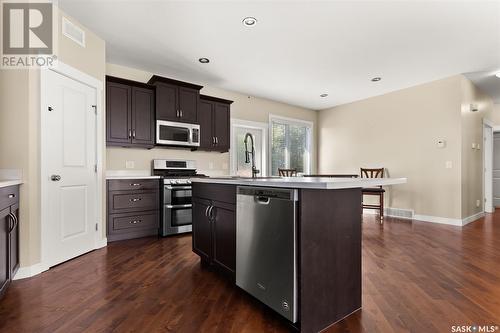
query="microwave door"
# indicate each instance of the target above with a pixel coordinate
(173, 135)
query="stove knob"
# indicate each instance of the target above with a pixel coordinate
(189, 181)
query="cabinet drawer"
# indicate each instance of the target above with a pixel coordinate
(131, 222)
(128, 202)
(9, 196)
(216, 192)
(133, 184)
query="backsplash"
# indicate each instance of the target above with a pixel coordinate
(209, 163)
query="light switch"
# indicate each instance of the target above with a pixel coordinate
(478, 147)
(449, 165)
(129, 164)
(473, 145)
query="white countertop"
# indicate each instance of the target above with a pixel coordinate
(130, 174)
(10, 182)
(132, 177)
(305, 182)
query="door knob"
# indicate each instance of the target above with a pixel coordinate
(55, 178)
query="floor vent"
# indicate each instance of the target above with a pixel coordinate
(401, 213)
(73, 32)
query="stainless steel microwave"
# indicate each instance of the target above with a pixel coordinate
(177, 134)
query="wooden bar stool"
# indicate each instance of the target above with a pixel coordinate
(287, 172)
(374, 191)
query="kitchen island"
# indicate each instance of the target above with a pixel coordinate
(326, 241)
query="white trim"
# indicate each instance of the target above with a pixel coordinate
(101, 242)
(487, 171)
(496, 129)
(92, 82)
(29, 271)
(427, 218)
(310, 144)
(252, 125)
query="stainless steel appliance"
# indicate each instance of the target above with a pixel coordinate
(177, 134)
(266, 246)
(176, 195)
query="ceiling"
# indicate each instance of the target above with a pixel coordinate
(487, 82)
(301, 49)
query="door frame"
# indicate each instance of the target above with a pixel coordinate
(264, 127)
(74, 74)
(488, 127)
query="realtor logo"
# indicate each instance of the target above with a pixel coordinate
(27, 34)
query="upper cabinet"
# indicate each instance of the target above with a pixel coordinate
(176, 100)
(214, 120)
(130, 113)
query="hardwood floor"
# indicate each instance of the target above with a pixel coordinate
(417, 277)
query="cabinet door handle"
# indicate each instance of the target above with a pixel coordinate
(133, 134)
(177, 114)
(181, 113)
(12, 222)
(210, 213)
(213, 140)
(135, 199)
(216, 140)
(135, 221)
(129, 133)
(206, 211)
(10, 196)
(135, 184)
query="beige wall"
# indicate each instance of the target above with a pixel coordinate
(19, 128)
(399, 131)
(472, 133)
(244, 107)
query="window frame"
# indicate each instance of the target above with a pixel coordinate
(291, 121)
(255, 125)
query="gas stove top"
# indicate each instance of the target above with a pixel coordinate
(175, 172)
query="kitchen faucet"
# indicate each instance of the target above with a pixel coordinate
(251, 152)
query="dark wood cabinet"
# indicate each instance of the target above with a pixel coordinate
(214, 226)
(176, 100)
(9, 235)
(133, 208)
(130, 113)
(214, 119)
(5, 219)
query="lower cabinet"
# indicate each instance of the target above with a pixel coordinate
(214, 226)
(133, 208)
(9, 235)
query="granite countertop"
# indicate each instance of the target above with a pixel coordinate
(10, 182)
(304, 182)
(132, 177)
(130, 174)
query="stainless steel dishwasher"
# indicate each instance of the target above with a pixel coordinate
(266, 241)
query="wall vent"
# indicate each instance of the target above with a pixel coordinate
(73, 32)
(397, 212)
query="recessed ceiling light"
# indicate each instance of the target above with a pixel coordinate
(249, 21)
(376, 79)
(204, 60)
(323, 95)
(497, 75)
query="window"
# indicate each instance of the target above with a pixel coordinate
(239, 128)
(290, 145)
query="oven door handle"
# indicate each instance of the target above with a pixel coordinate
(178, 187)
(179, 206)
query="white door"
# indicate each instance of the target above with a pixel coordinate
(69, 157)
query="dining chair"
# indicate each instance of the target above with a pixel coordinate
(287, 172)
(374, 191)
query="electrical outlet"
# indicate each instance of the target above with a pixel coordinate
(129, 164)
(478, 203)
(448, 165)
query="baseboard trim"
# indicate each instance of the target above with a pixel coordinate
(408, 214)
(100, 243)
(29, 271)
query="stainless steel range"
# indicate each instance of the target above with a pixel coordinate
(176, 194)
